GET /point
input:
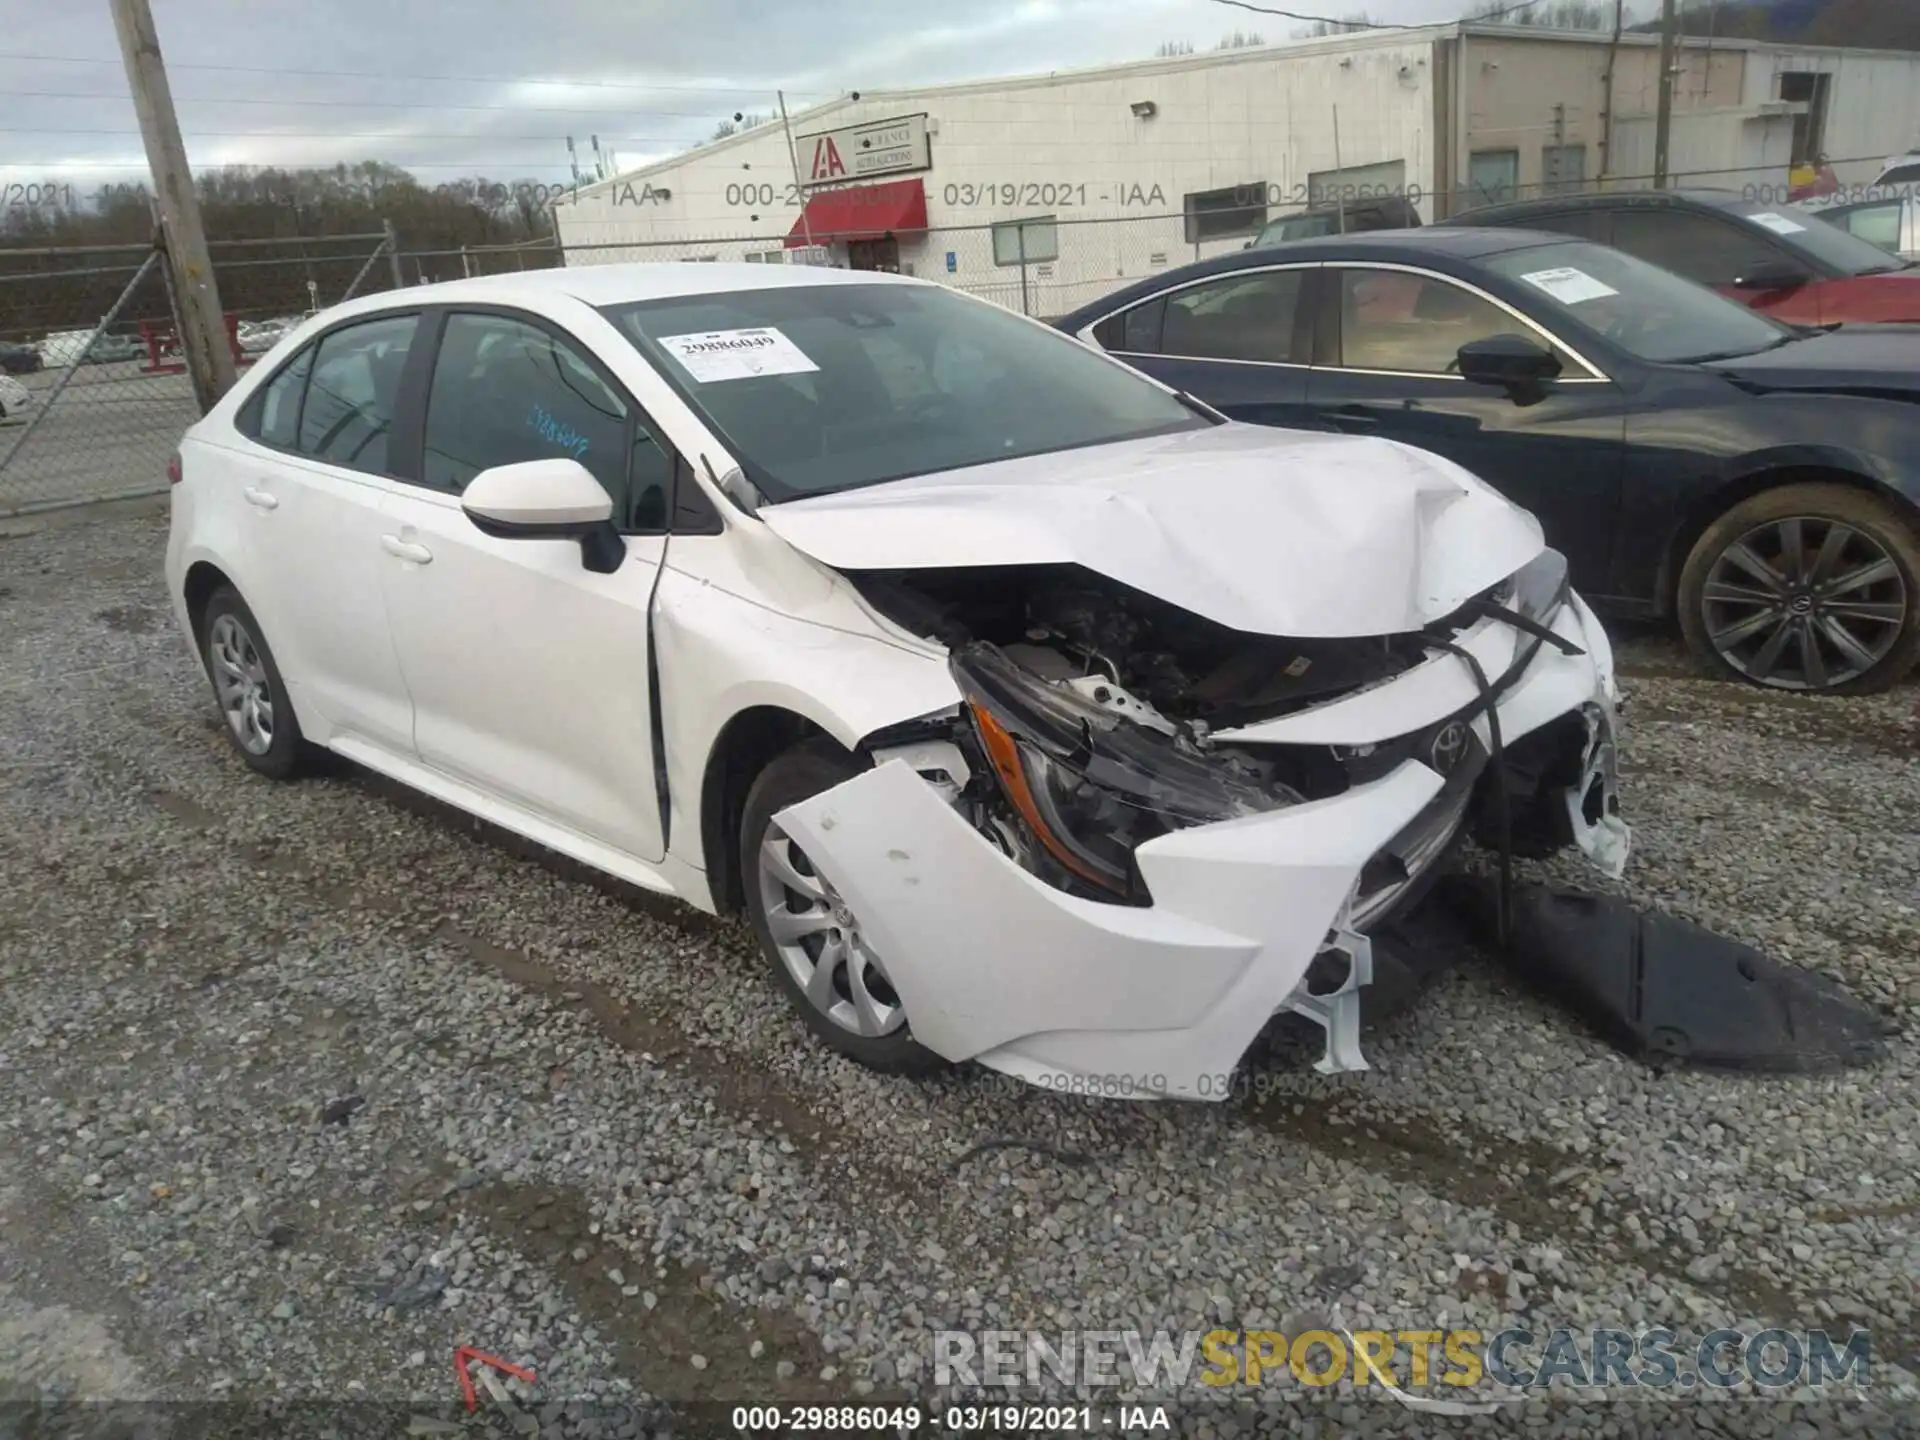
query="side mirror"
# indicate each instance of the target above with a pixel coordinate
(554, 499)
(1510, 360)
(1773, 275)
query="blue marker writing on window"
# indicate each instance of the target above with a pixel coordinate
(557, 432)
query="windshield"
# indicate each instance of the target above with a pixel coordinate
(1803, 230)
(817, 388)
(1648, 312)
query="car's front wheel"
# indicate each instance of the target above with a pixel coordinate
(246, 682)
(1814, 588)
(821, 956)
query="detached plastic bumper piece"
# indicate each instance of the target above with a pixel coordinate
(1661, 989)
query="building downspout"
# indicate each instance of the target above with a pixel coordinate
(1462, 140)
(1606, 114)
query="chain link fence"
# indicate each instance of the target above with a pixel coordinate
(1050, 265)
(95, 392)
(96, 395)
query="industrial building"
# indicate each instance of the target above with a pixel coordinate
(1043, 191)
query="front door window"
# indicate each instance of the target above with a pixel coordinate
(1412, 324)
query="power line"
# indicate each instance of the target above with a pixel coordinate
(1344, 25)
(139, 163)
(450, 79)
(623, 112)
(350, 135)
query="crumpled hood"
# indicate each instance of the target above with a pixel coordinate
(1266, 531)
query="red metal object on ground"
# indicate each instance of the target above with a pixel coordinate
(465, 1355)
(163, 347)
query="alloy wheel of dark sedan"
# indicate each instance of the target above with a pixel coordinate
(1804, 602)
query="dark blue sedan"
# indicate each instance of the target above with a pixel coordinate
(1759, 482)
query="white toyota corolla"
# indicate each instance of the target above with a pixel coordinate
(1034, 713)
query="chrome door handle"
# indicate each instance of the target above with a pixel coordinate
(260, 499)
(405, 550)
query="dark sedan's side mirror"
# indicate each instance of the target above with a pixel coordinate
(1772, 275)
(1510, 360)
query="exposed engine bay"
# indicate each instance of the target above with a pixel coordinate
(1068, 625)
(1090, 709)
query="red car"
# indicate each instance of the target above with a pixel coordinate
(1778, 259)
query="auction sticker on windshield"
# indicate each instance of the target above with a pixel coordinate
(1569, 286)
(1779, 224)
(736, 354)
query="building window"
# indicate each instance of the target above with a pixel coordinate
(1018, 241)
(1563, 168)
(766, 257)
(1225, 214)
(1328, 189)
(1493, 176)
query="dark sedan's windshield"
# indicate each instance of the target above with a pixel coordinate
(1825, 244)
(816, 388)
(1648, 312)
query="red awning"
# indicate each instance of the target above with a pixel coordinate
(862, 212)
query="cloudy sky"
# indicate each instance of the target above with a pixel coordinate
(463, 87)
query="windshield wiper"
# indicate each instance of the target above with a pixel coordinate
(1717, 356)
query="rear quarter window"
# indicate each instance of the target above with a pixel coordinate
(272, 414)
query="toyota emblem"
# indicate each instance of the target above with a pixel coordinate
(1448, 746)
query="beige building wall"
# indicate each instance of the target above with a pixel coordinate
(1528, 96)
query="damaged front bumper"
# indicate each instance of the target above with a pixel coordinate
(1249, 916)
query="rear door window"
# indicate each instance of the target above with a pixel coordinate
(347, 418)
(1239, 317)
(1135, 331)
(273, 415)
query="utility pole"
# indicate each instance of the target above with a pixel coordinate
(793, 155)
(1663, 121)
(203, 330)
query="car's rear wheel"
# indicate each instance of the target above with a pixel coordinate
(820, 955)
(1813, 588)
(246, 683)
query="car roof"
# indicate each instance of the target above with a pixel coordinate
(637, 280)
(1394, 247)
(1701, 196)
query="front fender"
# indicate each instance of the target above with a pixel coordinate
(720, 655)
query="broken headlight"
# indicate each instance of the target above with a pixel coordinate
(1539, 588)
(1089, 783)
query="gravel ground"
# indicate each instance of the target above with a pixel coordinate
(301, 1087)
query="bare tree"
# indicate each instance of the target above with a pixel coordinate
(1242, 40)
(1358, 20)
(1553, 15)
(736, 125)
(1173, 49)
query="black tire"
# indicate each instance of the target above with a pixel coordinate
(287, 754)
(799, 774)
(1877, 525)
